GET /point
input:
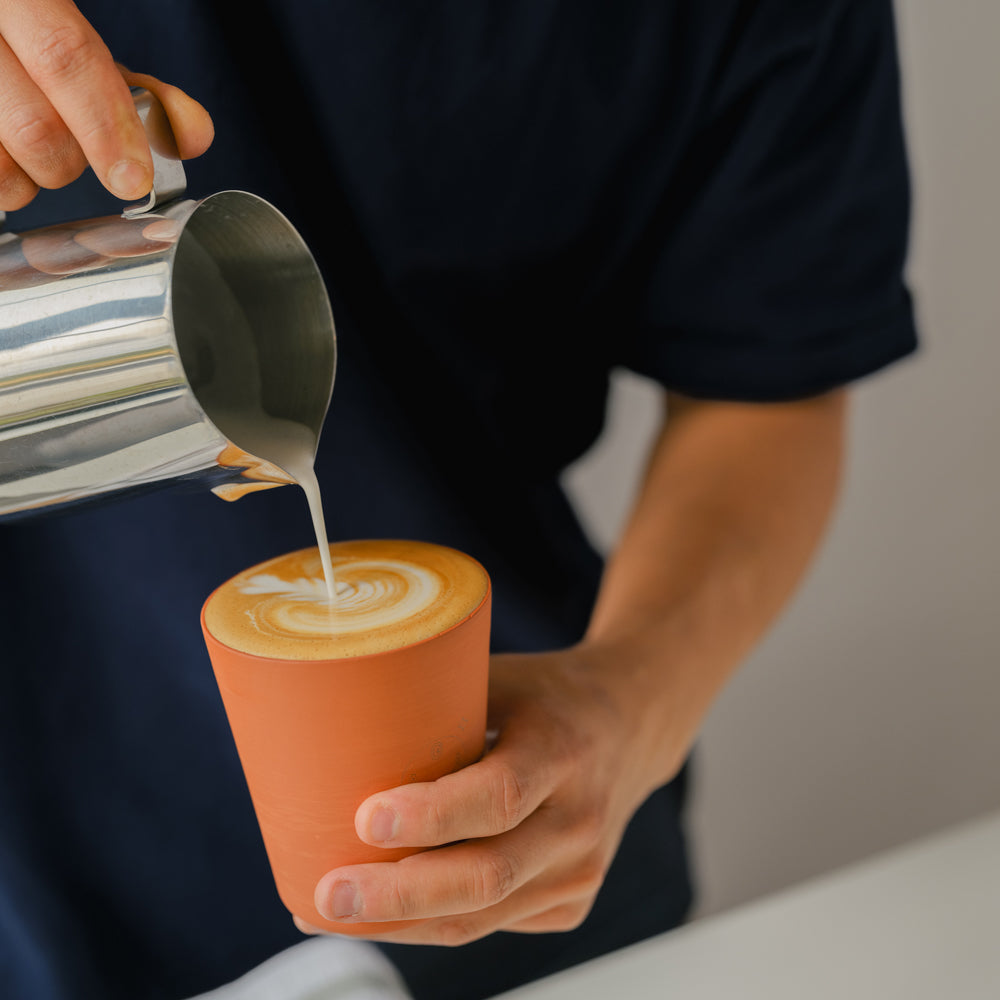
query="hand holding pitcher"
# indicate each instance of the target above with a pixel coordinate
(67, 103)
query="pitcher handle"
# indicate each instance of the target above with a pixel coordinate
(169, 179)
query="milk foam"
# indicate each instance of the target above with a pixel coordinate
(389, 594)
(370, 595)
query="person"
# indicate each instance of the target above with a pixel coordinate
(508, 202)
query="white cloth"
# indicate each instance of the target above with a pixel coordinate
(322, 968)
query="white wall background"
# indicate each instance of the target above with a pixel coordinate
(871, 714)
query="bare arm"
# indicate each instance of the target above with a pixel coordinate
(733, 505)
(735, 501)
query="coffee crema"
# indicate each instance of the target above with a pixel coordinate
(389, 594)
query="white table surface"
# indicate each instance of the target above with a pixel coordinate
(919, 922)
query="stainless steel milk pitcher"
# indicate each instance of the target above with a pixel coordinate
(131, 346)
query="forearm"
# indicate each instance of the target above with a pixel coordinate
(734, 503)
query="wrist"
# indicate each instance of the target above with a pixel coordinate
(645, 681)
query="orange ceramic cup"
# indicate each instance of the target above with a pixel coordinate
(316, 737)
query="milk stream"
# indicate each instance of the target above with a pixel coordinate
(294, 453)
(292, 447)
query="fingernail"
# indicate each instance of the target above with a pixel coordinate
(129, 179)
(384, 825)
(346, 901)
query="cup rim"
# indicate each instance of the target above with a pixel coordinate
(209, 636)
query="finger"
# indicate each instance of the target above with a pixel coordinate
(304, 927)
(462, 878)
(73, 68)
(16, 187)
(484, 799)
(546, 910)
(189, 121)
(469, 927)
(31, 131)
(565, 917)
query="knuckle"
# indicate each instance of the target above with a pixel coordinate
(63, 50)
(434, 820)
(457, 932)
(589, 827)
(512, 798)
(16, 189)
(399, 906)
(62, 170)
(41, 143)
(591, 872)
(571, 917)
(588, 874)
(30, 132)
(496, 878)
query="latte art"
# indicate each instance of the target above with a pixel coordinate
(389, 594)
(370, 595)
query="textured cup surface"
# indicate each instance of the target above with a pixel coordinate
(352, 713)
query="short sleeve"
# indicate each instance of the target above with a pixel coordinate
(775, 263)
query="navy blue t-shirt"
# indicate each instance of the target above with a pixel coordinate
(508, 200)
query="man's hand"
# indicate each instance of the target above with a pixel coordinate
(531, 829)
(733, 505)
(65, 103)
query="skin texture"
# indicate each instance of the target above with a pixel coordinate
(733, 505)
(65, 103)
